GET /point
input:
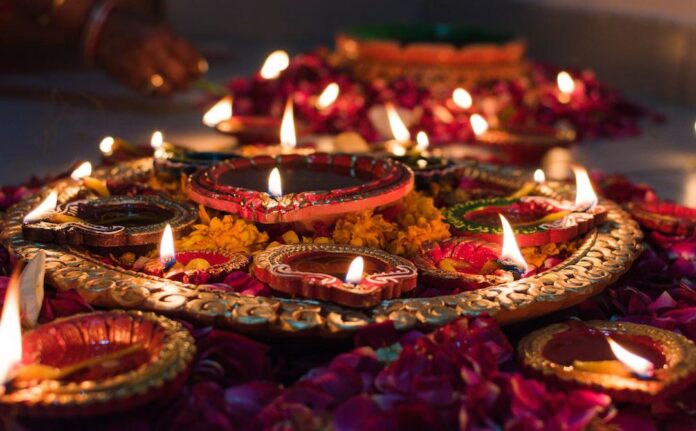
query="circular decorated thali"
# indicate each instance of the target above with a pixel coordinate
(603, 254)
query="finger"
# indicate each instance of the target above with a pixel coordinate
(188, 55)
(171, 69)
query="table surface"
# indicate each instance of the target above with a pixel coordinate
(53, 119)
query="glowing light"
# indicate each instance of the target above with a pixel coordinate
(462, 98)
(565, 82)
(275, 63)
(167, 253)
(157, 140)
(585, 196)
(638, 364)
(539, 176)
(221, 111)
(10, 331)
(328, 96)
(43, 209)
(288, 137)
(511, 252)
(398, 150)
(106, 146)
(275, 187)
(422, 141)
(355, 270)
(396, 124)
(84, 170)
(478, 124)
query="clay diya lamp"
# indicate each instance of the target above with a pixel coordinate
(524, 145)
(630, 362)
(174, 161)
(115, 150)
(98, 363)
(665, 217)
(318, 186)
(115, 221)
(351, 276)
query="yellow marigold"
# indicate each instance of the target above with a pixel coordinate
(417, 209)
(409, 240)
(364, 229)
(229, 233)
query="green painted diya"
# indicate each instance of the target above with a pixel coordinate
(535, 220)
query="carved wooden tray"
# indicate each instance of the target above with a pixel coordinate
(605, 254)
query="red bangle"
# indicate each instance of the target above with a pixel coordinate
(95, 24)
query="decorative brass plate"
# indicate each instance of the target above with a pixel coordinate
(605, 254)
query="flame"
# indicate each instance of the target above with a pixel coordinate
(539, 176)
(221, 111)
(585, 197)
(275, 63)
(157, 140)
(422, 141)
(462, 98)
(288, 138)
(638, 364)
(398, 128)
(328, 96)
(275, 187)
(167, 251)
(84, 170)
(565, 83)
(355, 270)
(511, 252)
(398, 150)
(106, 146)
(478, 124)
(10, 331)
(43, 209)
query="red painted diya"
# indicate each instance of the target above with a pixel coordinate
(115, 221)
(316, 186)
(527, 145)
(317, 271)
(536, 220)
(250, 129)
(665, 217)
(460, 263)
(97, 363)
(649, 363)
(203, 266)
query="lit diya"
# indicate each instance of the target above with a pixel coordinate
(522, 144)
(665, 217)
(114, 150)
(302, 188)
(630, 362)
(190, 266)
(106, 222)
(90, 364)
(248, 129)
(469, 263)
(352, 276)
(536, 220)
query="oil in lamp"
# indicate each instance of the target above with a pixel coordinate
(631, 362)
(346, 275)
(82, 174)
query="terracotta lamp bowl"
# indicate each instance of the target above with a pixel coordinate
(316, 186)
(665, 217)
(250, 129)
(526, 145)
(174, 161)
(221, 263)
(160, 352)
(577, 354)
(115, 221)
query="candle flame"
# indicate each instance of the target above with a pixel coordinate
(106, 146)
(10, 330)
(43, 209)
(585, 196)
(511, 252)
(167, 252)
(565, 82)
(422, 141)
(156, 140)
(638, 364)
(221, 111)
(84, 170)
(462, 98)
(355, 270)
(328, 96)
(275, 187)
(478, 124)
(288, 137)
(539, 176)
(396, 124)
(275, 63)
(398, 150)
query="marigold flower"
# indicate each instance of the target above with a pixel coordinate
(230, 233)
